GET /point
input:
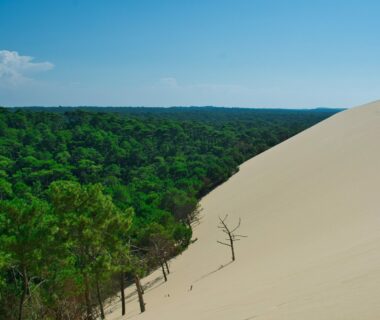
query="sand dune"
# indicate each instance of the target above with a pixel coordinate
(311, 210)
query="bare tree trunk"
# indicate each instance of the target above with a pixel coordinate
(122, 293)
(232, 246)
(102, 316)
(167, 266)
(140, 293)
(24, 291)
(163, 271)
(87, 298)
(22, 298)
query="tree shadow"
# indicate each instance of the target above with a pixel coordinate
(150, 285)
(214, 271)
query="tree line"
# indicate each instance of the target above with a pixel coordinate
(91, 201)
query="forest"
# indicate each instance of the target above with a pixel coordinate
(93, 199)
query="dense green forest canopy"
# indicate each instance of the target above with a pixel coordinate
(78, 186)
(205, 113)
(147, 158)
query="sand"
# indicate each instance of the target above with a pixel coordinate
(311, 210)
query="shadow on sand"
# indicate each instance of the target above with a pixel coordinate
(214, 271)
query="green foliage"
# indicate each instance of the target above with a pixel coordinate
(93, 230)
(27, 245)
(90, 224)
(68, 181)
(149, 152)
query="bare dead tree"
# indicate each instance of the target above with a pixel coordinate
(231, 235)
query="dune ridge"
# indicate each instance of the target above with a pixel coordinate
(310, 208)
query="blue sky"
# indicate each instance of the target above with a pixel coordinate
(258, 53)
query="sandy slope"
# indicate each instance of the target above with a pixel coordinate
(311, 210)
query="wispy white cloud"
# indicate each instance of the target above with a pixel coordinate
(16, 69)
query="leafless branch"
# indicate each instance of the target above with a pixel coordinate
(226, 244)
(230, 232)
